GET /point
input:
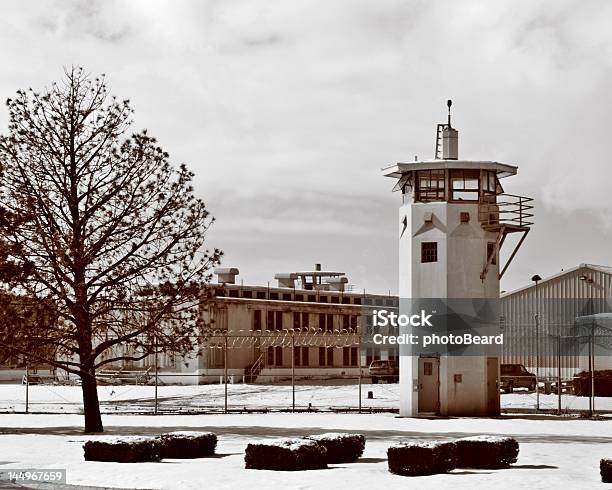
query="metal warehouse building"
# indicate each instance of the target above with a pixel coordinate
(540, 321)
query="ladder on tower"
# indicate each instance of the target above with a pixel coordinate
(439, 131)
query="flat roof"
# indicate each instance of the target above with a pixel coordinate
(398, 169)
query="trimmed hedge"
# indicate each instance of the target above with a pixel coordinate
(421, 458)
(285, 455)
(187, 444)
(122, 450)
(605, 469)
(340, 448)
(486, 452)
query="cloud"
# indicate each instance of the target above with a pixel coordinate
(287, 110)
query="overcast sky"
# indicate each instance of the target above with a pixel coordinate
(287, 110)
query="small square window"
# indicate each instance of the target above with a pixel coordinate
(427, 368)
(429, 252)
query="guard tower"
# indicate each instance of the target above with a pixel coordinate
(453, 221)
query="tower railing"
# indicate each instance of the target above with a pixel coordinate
(509, 210)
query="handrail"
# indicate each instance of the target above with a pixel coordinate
(255, 368)
(510, 210)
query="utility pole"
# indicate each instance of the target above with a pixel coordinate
(536, 279)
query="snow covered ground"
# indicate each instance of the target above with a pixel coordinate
(124, 398)
(554, 453)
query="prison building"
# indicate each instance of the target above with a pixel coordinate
(540, 320)
(308, 325)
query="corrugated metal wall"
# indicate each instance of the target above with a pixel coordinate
(557, 301)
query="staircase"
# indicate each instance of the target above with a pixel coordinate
(251, 372)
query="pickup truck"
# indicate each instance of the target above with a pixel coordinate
(516, 376)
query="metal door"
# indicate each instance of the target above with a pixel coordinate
(493, 386)
(429, 385)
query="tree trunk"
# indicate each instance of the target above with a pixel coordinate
(91, 405)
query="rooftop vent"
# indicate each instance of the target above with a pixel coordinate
(226, 275)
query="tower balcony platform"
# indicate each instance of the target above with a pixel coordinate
(509, 213)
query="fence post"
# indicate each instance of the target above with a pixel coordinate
(156, 369)
(293, 370)
(590, 381)
(359, 366)
(559, 372)
(27, 400)
(593, 365)
(225, 373)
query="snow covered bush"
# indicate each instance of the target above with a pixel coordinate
(341, 448)
(421, 458)
(605, 469)
(122, 450)
(486, 452)
(187, 444)
(285, 455)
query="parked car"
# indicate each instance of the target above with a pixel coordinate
(387, 370)
(516, 376)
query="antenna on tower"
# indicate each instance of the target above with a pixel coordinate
(449, 103)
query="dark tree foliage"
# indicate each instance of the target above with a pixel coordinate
(109, 231)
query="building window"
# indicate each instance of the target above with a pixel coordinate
(349, 322)
(300, 356)
(299, 297)
(489, 183)
(278, 361)
(326, 356)
(427, 368)
(274, 320)
(429, 252)
(247, 294)
(270, 356)
(356, 301)
(261, 295)
(430, 185)
(312, 298)
(464, 185)
(256, 319)
(326, 322)
(491, 252)
(233, 293)
(296, 320)
(273, 295)
(349, 356)
(371, 356)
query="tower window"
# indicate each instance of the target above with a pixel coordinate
(429, 252)
(430, 185)
(464, 185)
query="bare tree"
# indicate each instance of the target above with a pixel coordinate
(110, 232)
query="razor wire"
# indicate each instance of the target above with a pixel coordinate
(299, 337)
